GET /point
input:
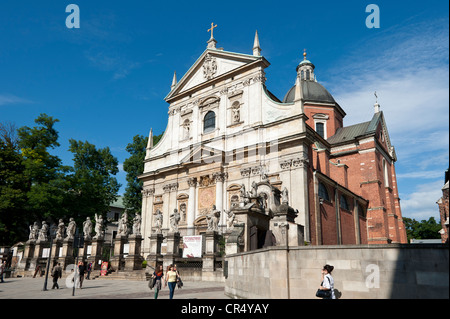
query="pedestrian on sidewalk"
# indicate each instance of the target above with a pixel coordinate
(89, 269)
(2, 269)
(81, 271)
(179, 282)
(56, 274)
(171, 280)
(155, 282)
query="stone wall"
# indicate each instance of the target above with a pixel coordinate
(392, 271)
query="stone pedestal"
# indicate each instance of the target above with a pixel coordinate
(37, 259)
(155, 250)
(235, 240)
(28, 254)
(211, 250)
(173, 244)
(83, 251)
(134, 259)
(284, 227)
(96, 253)
(66, 257)
(117, 261)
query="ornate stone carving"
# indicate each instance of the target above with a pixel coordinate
(192, 181)
(170, 187)
(209, 67)
(245, 172)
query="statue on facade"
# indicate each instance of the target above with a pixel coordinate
(254, 191)
(244, 196)
(158, 221)
(70, 231)
(60, 230)
(34, 231)
(137, 224)
(174, 220)
(284, 196)
(98, 226)
(43, 232)
(87, 228)
(213, 219)
(231, 220)
(122, 230)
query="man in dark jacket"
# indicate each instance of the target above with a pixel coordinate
(81, 271)
(56, 274)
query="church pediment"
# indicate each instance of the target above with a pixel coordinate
(203, 155)
(211, 65)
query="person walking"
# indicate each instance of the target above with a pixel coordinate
(179, 282)
(157, 276)
(81, 271)
(89, 269)
(171, 280)
(56, 274)
(327, 281)
(2, 269)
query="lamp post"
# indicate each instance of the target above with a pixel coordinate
(49, 260)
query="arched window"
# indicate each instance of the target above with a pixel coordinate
(209, 122)
(343, 202)
(323, 193)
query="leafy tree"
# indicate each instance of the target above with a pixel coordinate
(12, 187)
(134, 166)
(425, 229)
(93, 185)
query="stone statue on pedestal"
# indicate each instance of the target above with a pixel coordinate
(98, 226)
(87, 228)
(284, 196)
(43, 232)
(137, 224)
(158, 221)
(70, 231)
(34, 232)
(231, 218)
(213, 219)
(174, 220)
(60, 230)
(123, 225)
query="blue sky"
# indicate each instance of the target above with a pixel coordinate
(107, 80)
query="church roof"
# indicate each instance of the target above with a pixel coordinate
(348, 133)
(312, 92)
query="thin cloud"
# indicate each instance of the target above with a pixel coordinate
(6, 99)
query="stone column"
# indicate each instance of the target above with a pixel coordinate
(147, 219)
(220, 178)
(191, 206)
(173, 244)
(134, 259)
(211, 250)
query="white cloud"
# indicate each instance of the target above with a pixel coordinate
(421, 204)
(6, 99)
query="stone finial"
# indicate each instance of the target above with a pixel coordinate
(256, 47)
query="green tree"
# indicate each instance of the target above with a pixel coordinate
(425, 229)
(93, 186)
(134, 166)
(12, 187)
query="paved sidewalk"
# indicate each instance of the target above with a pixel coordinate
(32, 288)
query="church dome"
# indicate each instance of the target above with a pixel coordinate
(312, 92)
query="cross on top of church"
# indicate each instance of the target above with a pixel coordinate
(212, 29)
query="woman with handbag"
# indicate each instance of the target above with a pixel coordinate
(156, 280)
(171, 280)
(326, 289)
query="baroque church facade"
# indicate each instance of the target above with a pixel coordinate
(226, 130)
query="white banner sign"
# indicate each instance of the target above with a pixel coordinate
(192, 246)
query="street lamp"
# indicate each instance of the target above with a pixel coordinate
(49, 260)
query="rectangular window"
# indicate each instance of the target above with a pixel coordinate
(320, 129)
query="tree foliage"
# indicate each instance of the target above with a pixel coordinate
(134, 166)
(425, 229)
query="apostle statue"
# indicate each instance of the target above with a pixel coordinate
(70, 231)
(43, 232)
(158, 221)
(87, 228)
(284, 196)
(98, 226)
(137, 224)
(231, 218)
(123, 225)
(34, 231)
(174, 220)
(60, 230)
(213, 219)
